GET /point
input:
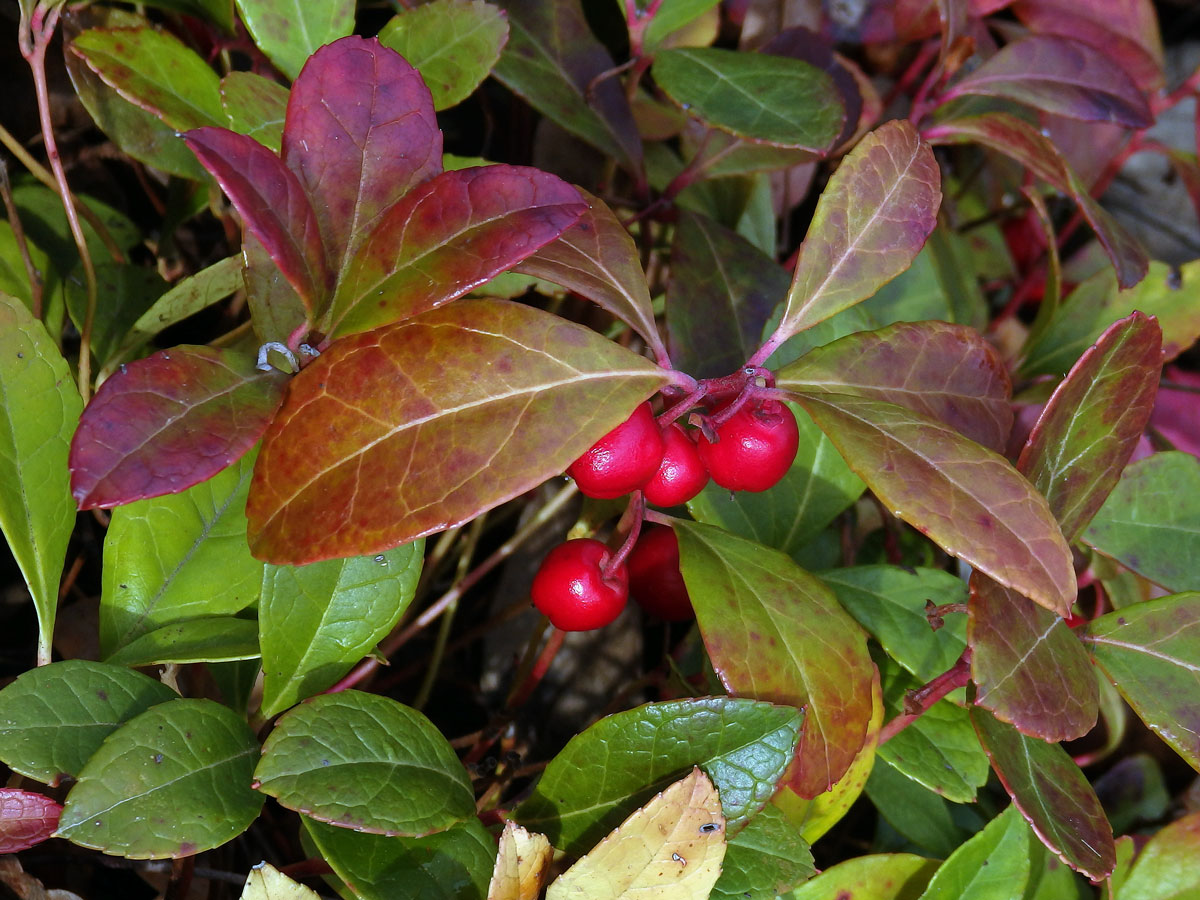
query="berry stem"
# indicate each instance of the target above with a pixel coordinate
(541, 666)
(634, 513)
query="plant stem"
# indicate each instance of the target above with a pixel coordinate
(522, 691)
(920, 700)
(14, 221)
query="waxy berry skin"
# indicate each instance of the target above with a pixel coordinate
(756, 447)
(623, 460)
(681, 475)
(571, 591)
(655, 582)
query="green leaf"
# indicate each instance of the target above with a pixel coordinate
(216, 639)
(155, 71)
(176, 557)
(1168, 867)
(185, 298)
(993, 865)
(817, 487)
(1053, 795)
(774, 632)
(766, 858)
(1151, 652)
(671, 16)
(1151, 520)
(172, 782)
(455, 864)
(317, 621)
(365, 762)
(14, 277)
(255, 106)
(124, 294)
(939, 749)
(919, 815)
(53, 718)
(453, 44)
(871, 220)
(885, 876)
(39, 410)
(290, 31)
(742, 745)
(889, 602)
(772, 99)
(966, 498)
(1097, 303)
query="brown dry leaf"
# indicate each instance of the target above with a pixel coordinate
(522, 864)
(670, 849)
(268, 883)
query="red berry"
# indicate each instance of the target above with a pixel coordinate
(570, 589)
(755, 449)
(655, 581)
(682, 475)
(623, 460)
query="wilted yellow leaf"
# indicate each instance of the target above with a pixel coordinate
(670, 849)
(268, 883)
(522, 864)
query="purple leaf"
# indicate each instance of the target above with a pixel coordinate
(26, 819)
(448, 236)
(1062, 76)
(947, 372)
(273, 206)
(360, 134)
(167, 422)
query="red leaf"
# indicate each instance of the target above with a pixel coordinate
(26, 819)
(167, 422)
(360, 133)
(448, 236)
(272, 204)
(423, 424)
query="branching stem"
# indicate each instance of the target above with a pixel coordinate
(920, 700)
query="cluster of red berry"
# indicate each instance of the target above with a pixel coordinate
(581, 584)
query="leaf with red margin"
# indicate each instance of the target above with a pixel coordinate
(423, 424)
(1029, 669)
(162, 424)
(776, 633)
(1125, 30)
(1053, 795)
(448, 236)
(1168, 866)
(947, 372)
(26, 819)
(360, 133)
(1151, 652)
(1060, 75)
(962, 496)
(597, 258)
(1019, 140)
(272, 204)
(871, 221)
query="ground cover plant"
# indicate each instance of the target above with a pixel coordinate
(360, 363)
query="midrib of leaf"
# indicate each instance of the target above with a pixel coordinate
(460, 37)
(1145, 649)
(763, 110)
(1020, 662)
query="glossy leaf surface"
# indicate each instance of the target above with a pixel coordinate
(774, 632)
(365, 762)
(273, 205)
(964, 497)
(1151, 520)
(766, 858)
(255, 106)
(551, 60)
(26, 819)
(522, 865)
(670, 848)
(871, 220)
(993, 865)
(448, 236)
(597, 258)
(1060, 76)
(317, 621)
(742, 745)
(290, 31)
(153, 791)
(160, 556)
(360, 134)
(948, 372)
(39, 409)
(818, 486)
(1151, 652)
(214, 639)
(1053, 795)
(885, 876)
(53, 718)
(153, 70)
(771, 99)
(449, 865)
(453, 44)
(424, 441)
(1168, 866)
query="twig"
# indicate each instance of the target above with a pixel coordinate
(920, 700)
